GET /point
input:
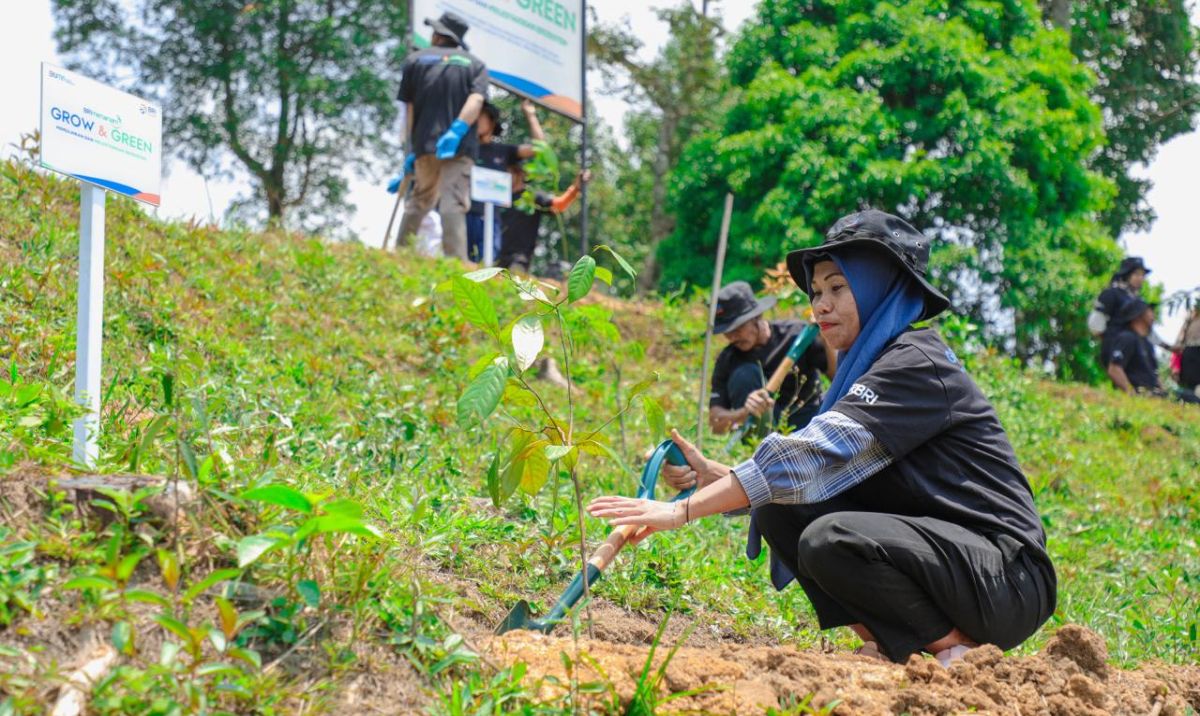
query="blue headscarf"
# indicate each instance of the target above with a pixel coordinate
(888, 300)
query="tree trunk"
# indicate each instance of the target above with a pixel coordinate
(661, 222)
(1059, 13)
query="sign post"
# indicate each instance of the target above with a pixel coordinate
(90, 323)
(491, 188)
(110, 141)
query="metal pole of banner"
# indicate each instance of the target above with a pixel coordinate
(583, 189)
(489, 219)
(91, 323)
(712, 316)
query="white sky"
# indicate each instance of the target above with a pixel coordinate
(1171, 248)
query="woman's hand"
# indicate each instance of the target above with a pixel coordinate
(698, 472)
(643, 513)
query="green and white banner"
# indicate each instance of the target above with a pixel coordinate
(532, 47)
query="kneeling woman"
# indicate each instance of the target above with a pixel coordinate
(900, 509)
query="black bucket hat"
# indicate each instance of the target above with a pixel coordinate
(737, 304)
(1130, 310)
(452, 26)
(1129, 264)
(876, 230)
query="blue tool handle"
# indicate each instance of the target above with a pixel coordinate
(571, 595)
(667, 451)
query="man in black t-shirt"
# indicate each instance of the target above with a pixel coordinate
(444, 88)
(756, 348)
(499, 156)
(1130, 362)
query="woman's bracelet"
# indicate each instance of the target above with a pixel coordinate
(687, 510)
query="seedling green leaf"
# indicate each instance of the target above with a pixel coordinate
(655, 417)
(219, 575)
(482, 395)
(579, 283)
(604, 275)
(280, 495)
(483, 274)
(309, 592)
(527, 340)
(476, 306)
(620, 261)
(251, 548)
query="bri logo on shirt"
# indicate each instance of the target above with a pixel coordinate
(864, 392)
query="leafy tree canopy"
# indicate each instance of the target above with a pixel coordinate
(967, 117)
(1145, 54)
(296, 91)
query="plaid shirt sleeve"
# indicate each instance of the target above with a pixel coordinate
(829, 456)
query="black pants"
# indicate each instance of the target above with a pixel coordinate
(909, 580)
(748, 377)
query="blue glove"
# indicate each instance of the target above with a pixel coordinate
(393, 186)
(447, 146)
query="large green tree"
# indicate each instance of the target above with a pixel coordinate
(292, 92)
(673, 97)
(968, 117)
(1145, 55)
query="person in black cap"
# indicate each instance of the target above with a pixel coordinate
(901, 509)
(443, 88)
(496, 155)
(1124, 286)
(1130, 360)
(756, 348)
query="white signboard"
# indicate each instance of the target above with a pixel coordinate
(532, 47)
(491, 187)
(101, 135)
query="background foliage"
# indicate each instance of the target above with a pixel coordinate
(296, 93)
(969, 118)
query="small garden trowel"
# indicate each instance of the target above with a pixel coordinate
(522, 618)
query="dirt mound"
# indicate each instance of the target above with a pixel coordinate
(1070, 676)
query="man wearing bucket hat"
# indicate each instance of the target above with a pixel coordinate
(756, 348)
(900, 509)
(443, 88)
(1129, 356)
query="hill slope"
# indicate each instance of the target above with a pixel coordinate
(327, 377)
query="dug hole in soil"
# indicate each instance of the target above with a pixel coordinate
(1069, 676)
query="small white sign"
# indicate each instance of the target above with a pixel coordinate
(101, 135)
(491, 187)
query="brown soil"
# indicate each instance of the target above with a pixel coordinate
(1070, 676)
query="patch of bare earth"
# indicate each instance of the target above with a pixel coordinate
(1069, 677)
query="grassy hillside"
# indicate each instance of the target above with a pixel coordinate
(239, 361)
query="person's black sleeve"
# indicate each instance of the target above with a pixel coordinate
(718, 395)
(543, 200)
(479, 83)
(815, 355)
(901, 399)
(1124, 348)
(407, 92)
(1110, 301)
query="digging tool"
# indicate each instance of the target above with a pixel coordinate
(387, 235)
(799, 345)
(522, 618)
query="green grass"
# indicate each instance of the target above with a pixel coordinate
(236, 359)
